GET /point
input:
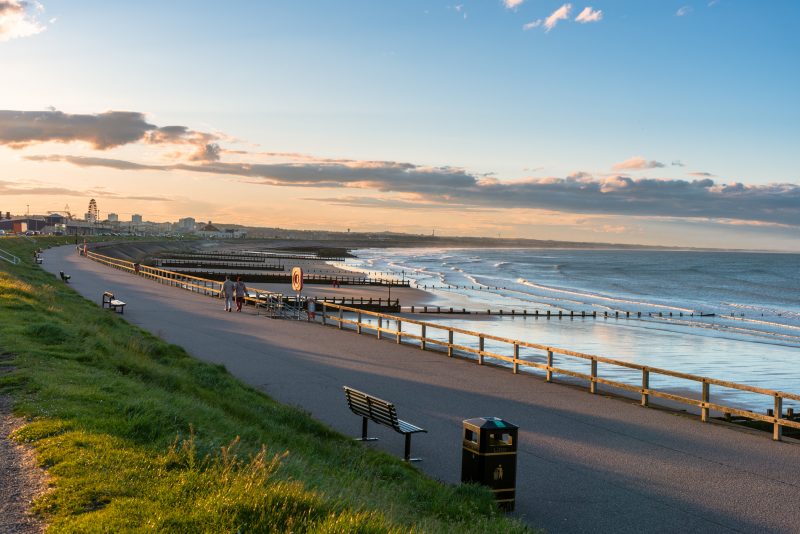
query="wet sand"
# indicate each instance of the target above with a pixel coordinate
(408, 296)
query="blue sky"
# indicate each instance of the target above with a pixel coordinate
(681, 91)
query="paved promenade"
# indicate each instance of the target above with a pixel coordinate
(586, 463)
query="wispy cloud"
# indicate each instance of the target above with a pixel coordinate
(38, 189)
(579, 193)
(702, 174)
(531, 25)
(637, 163)
(19, 18)
(562, 13)
(511, 4)
(683, 11)
(589, 15)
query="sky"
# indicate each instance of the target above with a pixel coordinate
(656, 122)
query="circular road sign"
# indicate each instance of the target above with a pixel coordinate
(297, 279)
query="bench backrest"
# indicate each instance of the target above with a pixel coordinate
(366, 405)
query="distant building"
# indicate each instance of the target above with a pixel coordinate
(54, 219)
(136, 218)
(113, 217)
(188, 224)
(210, 231)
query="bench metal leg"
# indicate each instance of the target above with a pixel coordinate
(364, 437)
(407, 455)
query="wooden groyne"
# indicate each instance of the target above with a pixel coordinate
(549, 314)
(218, 264)
(286, 278)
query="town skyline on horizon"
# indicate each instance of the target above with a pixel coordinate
(608, 121)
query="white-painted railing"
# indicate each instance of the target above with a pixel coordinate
(9, 257)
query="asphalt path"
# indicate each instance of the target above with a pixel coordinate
(586, 463)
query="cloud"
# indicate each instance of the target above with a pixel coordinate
(702, 174)
(578, 193)
(19, 129)
(103, 131)
(16, 188)
(683, 11)
(677, 163)
(393, 203)
(18, 18)
(531, 25)
(83, 161)
(637, 163)
(512, 4)
(562, 13)
(589, 15)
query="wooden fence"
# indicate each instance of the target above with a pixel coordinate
(194, 284)
(512, 357)
(548, 354)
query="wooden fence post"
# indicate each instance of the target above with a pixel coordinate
(645, 387)
(704, 408)
(422, 341)
(593, 384)
(399, 331)
(450, 343)
(549, 375)
(777, 429)
(481, 342)
(358, 325)
(516, 358)
(380, 325)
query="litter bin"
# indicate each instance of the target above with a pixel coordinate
(489, 457)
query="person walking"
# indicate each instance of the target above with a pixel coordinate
(228, 291)
(241, 291)
(312, 309)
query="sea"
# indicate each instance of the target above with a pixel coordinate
(732, 316)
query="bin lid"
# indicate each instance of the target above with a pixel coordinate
(489, 423)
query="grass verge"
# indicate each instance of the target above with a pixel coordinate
(138, 435)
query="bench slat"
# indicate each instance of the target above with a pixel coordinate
(408, 428)
(378, 410)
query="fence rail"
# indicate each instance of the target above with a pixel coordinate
(280, 305)
(548, 353)
(273, 302)
(9, 257)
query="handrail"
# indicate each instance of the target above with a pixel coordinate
(9, 257)
(185, 281)
(645, 390)
(287, 310)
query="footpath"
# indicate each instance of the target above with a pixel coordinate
(586, 463)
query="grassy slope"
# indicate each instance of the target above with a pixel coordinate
(139, 435)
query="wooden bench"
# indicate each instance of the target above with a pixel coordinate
(64, 277)
(110, 302)
(382, 412)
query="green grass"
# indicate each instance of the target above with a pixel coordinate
(138, 435)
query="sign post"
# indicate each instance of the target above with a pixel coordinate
(297, 285)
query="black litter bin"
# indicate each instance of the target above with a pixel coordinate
(489, 457)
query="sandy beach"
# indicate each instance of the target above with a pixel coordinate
(408, 296)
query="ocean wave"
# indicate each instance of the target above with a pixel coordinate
(589, 295)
